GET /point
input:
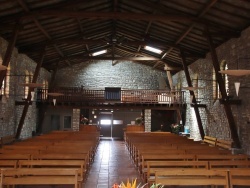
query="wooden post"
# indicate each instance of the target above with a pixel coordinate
(26, 106)
(222, 88)
(189, 82)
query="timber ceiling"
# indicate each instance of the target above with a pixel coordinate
(71, 30)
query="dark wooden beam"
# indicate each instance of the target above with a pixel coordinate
(187, 31)
(115, 15)
(231, 101)
(26, 106)
(222, 88)
(189, 82)
(113, 58)
(9, 51)
(199, 105)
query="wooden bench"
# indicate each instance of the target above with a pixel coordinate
(166, 157)
(15, 156)
(216, 157)
(153, 166)
(192, 177)
(224, 144)
(229, 164)
(40, 176)
(76, 164)
(211, 141)
(8, 164)
(239, 177)
(7, 140)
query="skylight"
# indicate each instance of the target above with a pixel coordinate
(99, 52)
(152, 49)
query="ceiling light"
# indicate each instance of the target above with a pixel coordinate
(99, 52)
(152, 49)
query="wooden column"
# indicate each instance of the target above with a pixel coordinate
(189, 82)
(222, 88)
(26, 106)
(10, 48)
(170, 79)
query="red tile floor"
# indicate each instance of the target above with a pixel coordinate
(112, 164)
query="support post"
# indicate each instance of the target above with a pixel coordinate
(26, 106)
(222, 88)
(189, 82)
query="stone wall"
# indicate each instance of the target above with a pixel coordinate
(101, 74)
(214, 119)
(20, 64)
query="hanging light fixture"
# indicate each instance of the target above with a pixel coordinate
(55, 95)
(237, 87)
(2, 67)
(54, 102)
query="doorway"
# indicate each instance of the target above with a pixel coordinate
(55, 122)
(105, 120)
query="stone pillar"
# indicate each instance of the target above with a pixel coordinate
(76, 120)
(147, 120)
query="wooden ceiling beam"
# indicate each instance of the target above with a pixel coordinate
(114, 15)
(203, 12)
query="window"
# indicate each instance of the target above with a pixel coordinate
(5, 90)
(28, 79)
(215, 86)
(216, 89)
(225, 76)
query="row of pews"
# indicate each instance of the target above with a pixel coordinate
(56, 158)
(172, 160)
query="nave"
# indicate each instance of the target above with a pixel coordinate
(112, 164)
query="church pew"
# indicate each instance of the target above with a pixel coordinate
(192, 177)
(239, 177)
(228, 164)
(163, 157)
(15, 156)
(8, 164)
(75, 164)
(207, 151)
(65, 156)
(40, 176)
(216, 157)
(153, 166)
(138, 160)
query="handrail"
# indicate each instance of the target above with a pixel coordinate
(76, 94)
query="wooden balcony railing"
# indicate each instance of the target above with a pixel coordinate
(116, 95)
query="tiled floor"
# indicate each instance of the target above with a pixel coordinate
(112, 165)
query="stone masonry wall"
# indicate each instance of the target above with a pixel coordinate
(214, 119)
(10, 113)
(101, 74)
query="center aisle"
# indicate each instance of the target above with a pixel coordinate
(112, 164)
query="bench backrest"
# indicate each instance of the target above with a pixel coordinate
(229, 164)
(239, 177)
(38, 176)
(210, 140)
(79, 164)
(192, 177)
